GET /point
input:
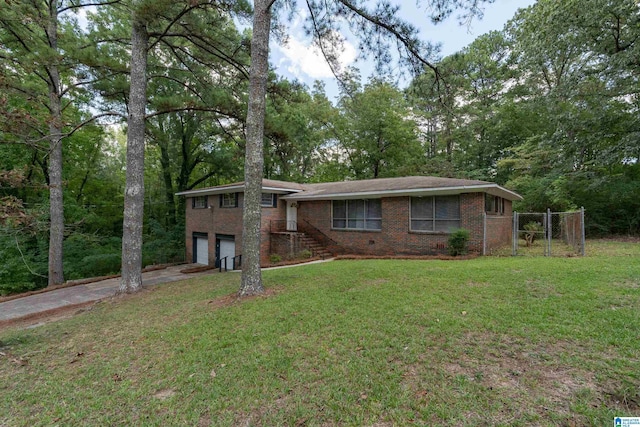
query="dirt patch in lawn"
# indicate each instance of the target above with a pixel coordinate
(60, 313)
(44, 317)
(527, 379)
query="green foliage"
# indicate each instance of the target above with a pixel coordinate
(533, 230)
(90, 255)
(20, 269)
(304, 254)
(162, 246)
(556, 125)
(275, 258)
(101, 265)
(457, 243)
(377, 132)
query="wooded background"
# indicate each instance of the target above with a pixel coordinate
(547, 107)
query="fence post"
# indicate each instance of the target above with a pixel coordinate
(484, 233)
(582, 237)
(549, 230)
(514, 237)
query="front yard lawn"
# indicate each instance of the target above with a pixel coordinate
(488, 341)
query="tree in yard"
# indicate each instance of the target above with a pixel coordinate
(377, 26)
(294, 131)
(254, 152)
(196, 106)
(134, 189)
(39, 46)
(187, 42)
(378, 133)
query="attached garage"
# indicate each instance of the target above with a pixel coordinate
(201, 248)
(225, 248)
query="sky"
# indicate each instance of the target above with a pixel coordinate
(299, 60)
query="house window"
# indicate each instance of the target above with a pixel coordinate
(199, 202)
(357, 214)
(493, 205)
(229, 200)
(268, 200)
(438, 213)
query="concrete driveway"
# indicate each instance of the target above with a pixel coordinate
(82, 294)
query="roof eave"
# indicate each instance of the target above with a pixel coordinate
(233, 189)
(493, 189)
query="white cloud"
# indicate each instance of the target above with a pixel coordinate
(304, 59)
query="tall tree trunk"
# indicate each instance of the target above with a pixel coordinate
(134, 188)
(56, 206)
(165, 162)
(251, 282)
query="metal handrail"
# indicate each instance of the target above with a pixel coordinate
(225, 264)
(233, 262)
(318, 235)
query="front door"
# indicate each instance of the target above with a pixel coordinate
(292, 216)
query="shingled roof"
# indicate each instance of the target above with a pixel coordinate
(268, 185)
(369, 188)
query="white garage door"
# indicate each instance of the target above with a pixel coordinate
(202, 250)
(228, 249)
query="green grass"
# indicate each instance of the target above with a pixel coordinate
(489, 341)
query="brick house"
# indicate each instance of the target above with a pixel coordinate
(387, 216)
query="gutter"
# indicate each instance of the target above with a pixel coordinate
(408, 192)
(233, 189)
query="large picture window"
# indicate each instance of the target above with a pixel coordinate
(357, 214)
(438, 213)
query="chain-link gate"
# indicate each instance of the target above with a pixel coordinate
(549, 233)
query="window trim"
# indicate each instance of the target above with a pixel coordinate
(195, 204)
(272, 204)
(234, 203)
(495, 205)
(365, 219)
(433, 219)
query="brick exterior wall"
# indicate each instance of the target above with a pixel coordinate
(500, 229)
(394, 238)
(216, 220)
(287, 245)
(277, 214)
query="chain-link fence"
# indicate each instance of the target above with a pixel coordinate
(549, 233)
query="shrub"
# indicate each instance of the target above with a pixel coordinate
(458, 242)
(162, 246)
(101, 265)
(22, 268)
(17, 287)
(305, 254)
(82, 250)
(275, 258)
(532, 231)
